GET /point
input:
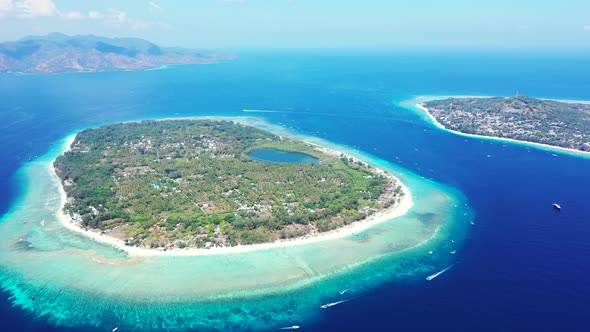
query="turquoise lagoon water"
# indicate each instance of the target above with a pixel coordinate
(73, 281)
(278, 156)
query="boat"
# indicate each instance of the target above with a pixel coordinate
(43, 222)
(430, 252)
(453, 252)
(557, 206)
(342, 292)
(328, 305)
(115, 329)
(294, 327)
(472, 222)
(432, 276)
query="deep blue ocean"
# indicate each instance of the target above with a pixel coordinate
(524, 267)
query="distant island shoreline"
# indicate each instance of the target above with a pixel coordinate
(418, 103)
(162, 67)
(59, 53)
(395, 211)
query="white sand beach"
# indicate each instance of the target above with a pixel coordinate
(418, 102)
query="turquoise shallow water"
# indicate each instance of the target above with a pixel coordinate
(73, 281)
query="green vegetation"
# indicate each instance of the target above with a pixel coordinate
(522, 118)
(188, 183)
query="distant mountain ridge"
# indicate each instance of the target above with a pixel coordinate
(56, 52)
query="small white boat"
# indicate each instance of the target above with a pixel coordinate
(472, 222)
(430, 252)
(342, 292)
(115, 329)
(294, 327)
(328, 305)
(557, 206)
(432, 276)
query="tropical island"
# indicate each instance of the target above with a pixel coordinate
(560, 124)
(59, 53)
(212, 184)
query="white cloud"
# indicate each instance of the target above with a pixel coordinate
(95, 15)
(36, 8)
(119, 18)
(116, 16)
(29, 9)
(154, 5)
(5, 6)
(72, 15)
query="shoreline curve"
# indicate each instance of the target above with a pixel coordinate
(418, 103)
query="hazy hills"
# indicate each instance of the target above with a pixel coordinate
(57, 53)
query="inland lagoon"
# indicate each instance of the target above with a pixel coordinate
(278, 156)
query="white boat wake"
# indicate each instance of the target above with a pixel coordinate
(328, 305)
(432, 276)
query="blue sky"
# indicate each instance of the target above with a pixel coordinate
(375, 24)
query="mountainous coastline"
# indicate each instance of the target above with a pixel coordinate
(58, 53)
